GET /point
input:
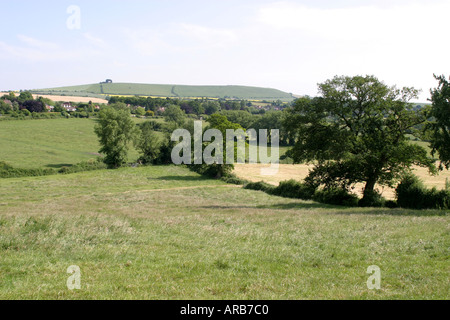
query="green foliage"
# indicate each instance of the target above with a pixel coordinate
(115, 130)
(412, 193)
(148, 144)
(260, 186)
(233, 179)
(7, 171)
(173, 113)
(440, 126)
(373, 199)
(336, 196)
(89, 165)
(356, 133)
(294, 189)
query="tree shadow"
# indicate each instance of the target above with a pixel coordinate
(341, 210)
(181, 178)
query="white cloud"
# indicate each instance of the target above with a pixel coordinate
(94, 40)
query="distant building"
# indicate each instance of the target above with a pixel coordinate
(107, 81)
(68, 106)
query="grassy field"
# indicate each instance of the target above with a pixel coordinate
(50, 143)
(167, 233)
(183, 91)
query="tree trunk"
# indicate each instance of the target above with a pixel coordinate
(369, 188)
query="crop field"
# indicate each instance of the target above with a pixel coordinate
(252, 172)
(173, 91)
(167, 233)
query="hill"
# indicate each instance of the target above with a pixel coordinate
(173, 91)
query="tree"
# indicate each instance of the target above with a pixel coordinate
(440, 127)
(356, 133)
(4, 107)
(25, 96)
(140, 111)
(174, 113)
(34, 106)
(148, 144)
(115, 130)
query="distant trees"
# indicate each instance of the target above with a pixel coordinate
(34, 106)
(173, 113)
(4, 107)
(440, 127)
(356, 132)
(115, 130)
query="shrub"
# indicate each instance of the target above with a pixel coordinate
(260, 186)
(233, 179)
(411, 193)
(7, 171)
(294, 189)
(374, 199)
(336, 196)
(89, 165)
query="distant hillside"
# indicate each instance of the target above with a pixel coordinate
(173, 91)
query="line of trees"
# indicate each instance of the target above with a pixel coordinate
(356, 131)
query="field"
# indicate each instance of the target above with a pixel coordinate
(50, 143)
(173, 91)
(252, 172)
(164, 232)
(167, 233)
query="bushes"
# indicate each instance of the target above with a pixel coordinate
(411, 193)
(373, 199)
(260, 186)
(7, 171)
(89, 165)
(336, 196)
(294, 189)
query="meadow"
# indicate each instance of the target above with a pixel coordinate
(168, 233)
(50, 143)
(164, 232)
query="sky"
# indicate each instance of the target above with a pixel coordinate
(287, 45)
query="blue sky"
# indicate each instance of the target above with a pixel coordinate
(288, 45)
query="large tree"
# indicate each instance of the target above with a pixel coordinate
(355, 132)
(115, 130)
(440, 112)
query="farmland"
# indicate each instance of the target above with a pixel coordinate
(167, 233)
(164, 232)
(173, 91)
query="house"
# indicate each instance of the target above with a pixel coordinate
(49, 108)
(107, 81)
(8, 102)
(68, 106)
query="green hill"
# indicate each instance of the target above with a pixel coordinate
(173, 91)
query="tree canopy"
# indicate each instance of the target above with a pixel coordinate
(356, 132)
(115, 130)
(440, 111)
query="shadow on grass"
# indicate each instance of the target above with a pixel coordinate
(333, 209)
(182, 178)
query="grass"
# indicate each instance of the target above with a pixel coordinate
(167, 233)
(52, 143)
(240, 92)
